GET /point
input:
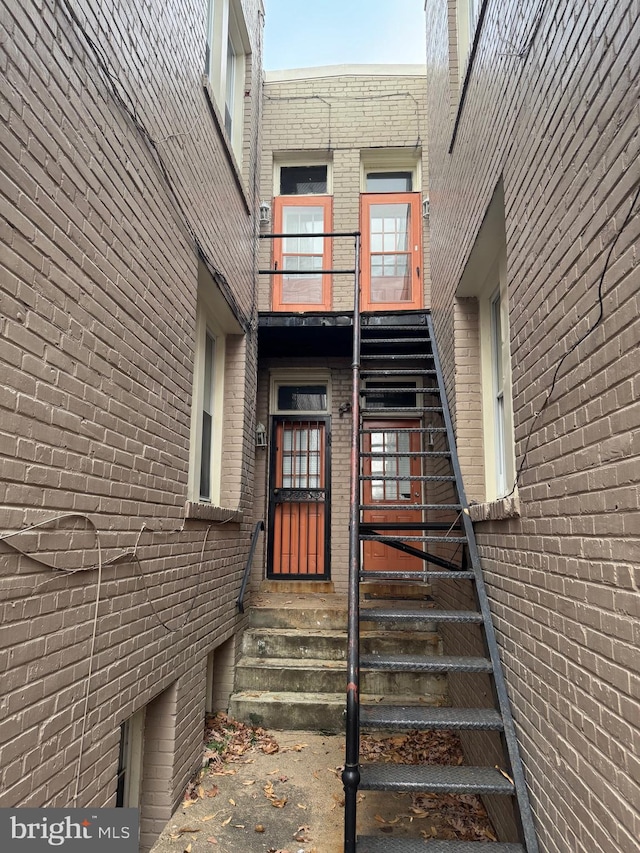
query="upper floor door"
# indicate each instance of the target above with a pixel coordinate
(391, 226)
(391, 251)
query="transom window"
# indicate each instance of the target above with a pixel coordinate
(303, 180)
(302, 398)
(389, 182)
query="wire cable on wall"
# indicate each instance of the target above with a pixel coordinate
(523, 462)
(127, 556)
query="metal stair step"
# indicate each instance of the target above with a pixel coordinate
(371, 537)
(382, 506)
(373, 844)
(423, 478)
(398, 410)
(378, 614)
(396, 356)
(408, 718)
(434, 778)
(403, 453)
(396, 340)
(390, 371)
(415, 663)
(417, 576)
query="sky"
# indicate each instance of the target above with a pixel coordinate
(305, 33)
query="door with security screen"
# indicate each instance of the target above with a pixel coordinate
(299, 499)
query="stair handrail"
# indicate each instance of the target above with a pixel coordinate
(252, 550)
(509, 732)
(351, 772)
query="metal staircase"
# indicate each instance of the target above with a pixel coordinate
(397, 378)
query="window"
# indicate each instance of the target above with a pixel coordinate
(218, 363)
(468, 13)
(497, 370)
(391, 227)
(295, 391)
(303, 180)
(486, 334)
(302, 287)
(389, 182)
(226, 65)
(129, 778)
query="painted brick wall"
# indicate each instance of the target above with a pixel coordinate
(97, 301)
(551, 107)
(342, 110)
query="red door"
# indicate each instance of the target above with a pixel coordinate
(397, 491)
(299, 500)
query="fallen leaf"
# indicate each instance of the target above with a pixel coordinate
(302, 806)
(207, 817)
(249, 782)
(188, 829)
(187, 804)
(380, 819)
(259, 827)
(226, 822)
(200, 791)
(187, 849)
(504, 773)
(238, 826)
(212, 840)
(213, 792)
(233, 802)
(279, 804)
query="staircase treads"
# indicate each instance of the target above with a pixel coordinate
(410, 717)
(399, 454)
(417, 663)
(416, 576)
(372, 844)
(434, 779)
(398, 340)
(364, 356)
(379, 614)
(382, 537)
(412, 371)
(423, 478)
(434, 507)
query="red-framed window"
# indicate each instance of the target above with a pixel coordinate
(306, 215)
(391, 225)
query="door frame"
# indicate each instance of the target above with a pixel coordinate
(272, 503)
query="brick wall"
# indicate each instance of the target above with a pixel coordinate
(112, 186)
(551, 109)
(340, 111)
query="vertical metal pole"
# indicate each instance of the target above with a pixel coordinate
(351, 772)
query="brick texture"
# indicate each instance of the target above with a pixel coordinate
(551, 109)
(112, 186)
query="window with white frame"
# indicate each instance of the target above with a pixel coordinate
(485, 280)
(467, 13)
(217, 354)
(226, 65)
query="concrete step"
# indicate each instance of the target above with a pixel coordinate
(328, 676)
(302, 711)
(321, 612)
(331, 644)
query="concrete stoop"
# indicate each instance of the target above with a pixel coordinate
(292, 670)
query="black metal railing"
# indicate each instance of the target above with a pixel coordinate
(247, 569)
(351, 772)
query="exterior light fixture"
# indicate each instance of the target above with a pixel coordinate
(425, 208)
(261, 435)
(265, 212)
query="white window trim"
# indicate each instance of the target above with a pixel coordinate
(213, 315)
(205, 323)
(392, 160)
(225, 23)
(298, 377)
(134, 748)
(302, 158)
(467, 15)
(498, 438)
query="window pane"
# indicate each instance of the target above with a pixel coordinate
(389, 182)
(205, 458)
(303, 398)
(207, 417)
(303, 180)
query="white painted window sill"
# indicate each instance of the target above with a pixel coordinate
(196, 511)
(498, 510)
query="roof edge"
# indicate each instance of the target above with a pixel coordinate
(356, 70)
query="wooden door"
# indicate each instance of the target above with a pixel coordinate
(299, 499)
(391, 251)
(391, 442)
